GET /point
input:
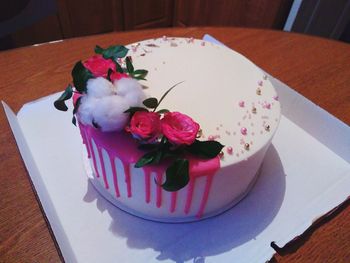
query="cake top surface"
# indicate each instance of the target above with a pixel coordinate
(228, 95)
(202, 105)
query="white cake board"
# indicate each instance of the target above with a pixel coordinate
(297, 185)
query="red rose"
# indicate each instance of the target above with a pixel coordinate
(145, 125)
(99, 66)
(117, 76)
(179, 128)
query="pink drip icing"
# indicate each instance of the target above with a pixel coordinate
(189, 196)
(94, 162)
(127, 178)
(114, 171)
(204, 200)
(173, 202)
(147, 186)
(159, 189)
(103, 168)
(122, 146)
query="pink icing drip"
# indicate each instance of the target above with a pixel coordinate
(159, 189)
(122, 146)
(209, 180)
(147, 186)
(103, 168)
(189, 196)
(114, 171)
(127, 178)
(94, 162)
(173, 202)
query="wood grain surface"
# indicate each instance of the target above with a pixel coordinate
(317, 68)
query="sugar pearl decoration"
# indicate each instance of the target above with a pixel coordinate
(246, 146)
(221, 154)
(165, 38)
(254, 110)
(244, 131)
(258, 91)
(211, 138)
(265, 77)
(260, 83)
(229, 150)
(241, 104)
(203, 43)
(267, 127)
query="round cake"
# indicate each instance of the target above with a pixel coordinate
(215, 91)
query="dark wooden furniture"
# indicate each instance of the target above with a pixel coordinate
(317, 68)
(87, 17)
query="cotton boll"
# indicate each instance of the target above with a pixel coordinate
(86, 108)
(99, 87)
(109, 113)
(131, 90)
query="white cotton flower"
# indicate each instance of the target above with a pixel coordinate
(131, 90)
(109, 113)
(99, 87)
(86, 108)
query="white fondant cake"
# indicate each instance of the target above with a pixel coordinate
(231, 99)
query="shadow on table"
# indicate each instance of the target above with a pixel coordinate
(213, 236)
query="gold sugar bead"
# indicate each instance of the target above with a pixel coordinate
(246, 146)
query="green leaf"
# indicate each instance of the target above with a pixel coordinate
(80, 76)
(98, 49)
(112, 52)
(110, 71)
(205, 149)
(177, 175)
(140, 74)
(118, 67)
(66, 95)
(150, 103)
(132, 110)
(149, 158)
(166, 93)
(148, 146)
(129, 65)
(75, 110)
(163, 111)
(74, 121)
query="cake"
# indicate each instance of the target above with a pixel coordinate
(174, 129)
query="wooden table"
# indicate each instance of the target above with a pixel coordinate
(317, 68)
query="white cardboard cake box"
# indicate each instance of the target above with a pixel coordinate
(306, 174)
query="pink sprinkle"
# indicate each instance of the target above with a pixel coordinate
(203, 43)
(260, 83)
(244, 131)
(229, 150)
(241, 104)
(211, 138)
(275, 97)
(268, 105)
(134, 48)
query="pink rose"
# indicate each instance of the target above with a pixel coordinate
(145, 125)
(179, 128)
(99, 66)
(117, 76)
